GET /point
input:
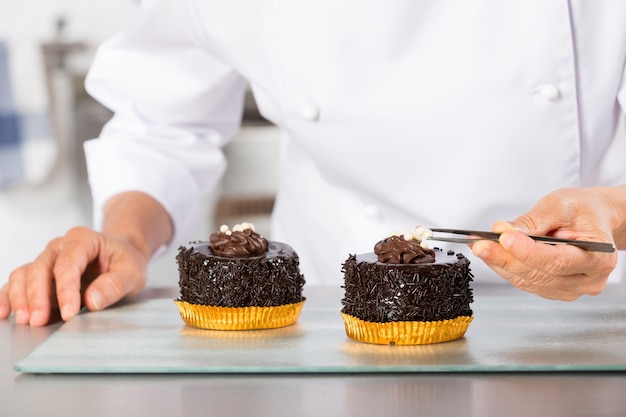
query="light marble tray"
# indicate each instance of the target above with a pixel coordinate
(521, 333)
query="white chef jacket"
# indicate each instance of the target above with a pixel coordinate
(393, 113)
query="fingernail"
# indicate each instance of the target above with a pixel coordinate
(21, 317)
(478, 249)
(501, 226)
(506, 240)
(67, 313)
(34, 318)
(96, 300)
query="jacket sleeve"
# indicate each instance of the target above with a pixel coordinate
(175, 105)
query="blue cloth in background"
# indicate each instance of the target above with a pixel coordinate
(11, 164)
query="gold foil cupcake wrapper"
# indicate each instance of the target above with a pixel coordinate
(238, 318)
(406, 332)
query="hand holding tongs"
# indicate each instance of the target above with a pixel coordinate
(476, 235)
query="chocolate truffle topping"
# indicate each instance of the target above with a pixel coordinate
(398, 250)
(241, 243)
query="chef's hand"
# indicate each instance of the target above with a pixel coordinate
(88, 267)
(85, 263)
(561, 272)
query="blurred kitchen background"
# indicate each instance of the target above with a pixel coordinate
(46, 47)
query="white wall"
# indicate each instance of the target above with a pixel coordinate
(87, 20)
(32, 215)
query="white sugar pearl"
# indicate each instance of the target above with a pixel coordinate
(424, 244)
(237, 228)
(408, 236)
(223, 228)
(228, 233)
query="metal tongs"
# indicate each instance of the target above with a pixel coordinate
(476, 235)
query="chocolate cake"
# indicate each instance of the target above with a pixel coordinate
(404, 285)
(236, 270)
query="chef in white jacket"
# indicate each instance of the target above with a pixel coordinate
(393, 114)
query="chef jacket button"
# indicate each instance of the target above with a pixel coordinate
(310, 111)
(549, 92)
(372, 211)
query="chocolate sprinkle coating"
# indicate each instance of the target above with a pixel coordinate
(270, 279)
(380, 292)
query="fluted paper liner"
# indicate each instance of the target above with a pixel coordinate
(405, 332)
(238, 318)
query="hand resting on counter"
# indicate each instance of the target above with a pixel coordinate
(89, 268)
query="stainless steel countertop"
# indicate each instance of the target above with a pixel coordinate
(434, 394)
